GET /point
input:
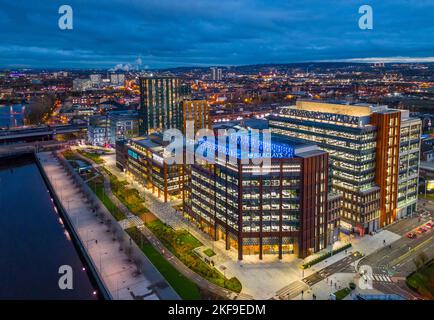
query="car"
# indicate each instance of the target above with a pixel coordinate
(411, 235)
(421, 230)
(429, 225)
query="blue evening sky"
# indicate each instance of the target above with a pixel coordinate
(168, 33)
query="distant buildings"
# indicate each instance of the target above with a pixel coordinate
(81, 84)
(373, 157)
(216, 74)
(160, 104)
(117, 79)
(197, 111)
(105, 130)
(95, 79)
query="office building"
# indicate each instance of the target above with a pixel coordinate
(160, 104)
(98, 130)
(409, 162)
(372, 153)
(282, 211)
(145, 162)
(123, 125)
(105, 130)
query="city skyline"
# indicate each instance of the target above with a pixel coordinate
(236, 152)
(163, 34)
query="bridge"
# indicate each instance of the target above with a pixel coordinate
(37, 133)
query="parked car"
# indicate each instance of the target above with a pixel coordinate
(411, 235)
(429, 225)
(421, 230)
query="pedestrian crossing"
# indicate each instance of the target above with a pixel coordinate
(377, 277)
(130, 222)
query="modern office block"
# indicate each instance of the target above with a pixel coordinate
(284, 211)
(123, 125)
(98, 131)
(366, 155)
(145, 162)
(160, 104)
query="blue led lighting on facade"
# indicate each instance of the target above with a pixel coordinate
(133, 154)
(250, 146)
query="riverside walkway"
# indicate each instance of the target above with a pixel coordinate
(126, 278)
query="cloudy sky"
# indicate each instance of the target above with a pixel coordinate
(168, 33)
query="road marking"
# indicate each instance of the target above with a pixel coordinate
(405, 255)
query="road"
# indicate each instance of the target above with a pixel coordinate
(296, 288)
(426, 205)
(396, 260)
(402, 227)
(331, 269)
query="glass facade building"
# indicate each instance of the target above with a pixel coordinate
(282, 211)
(160, 104)
(145, 162)
(363, 145)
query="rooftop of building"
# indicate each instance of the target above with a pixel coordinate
(342, 112)
(251, 144)
(335, 107)
(150, 144)
(427, 165)
(158, 77)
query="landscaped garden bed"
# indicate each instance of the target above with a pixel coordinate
(325, 256)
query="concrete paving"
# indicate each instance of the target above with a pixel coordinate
(113, 266)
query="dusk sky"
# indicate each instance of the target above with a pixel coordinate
(170, 33)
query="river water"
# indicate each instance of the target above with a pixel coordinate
(11, 116)
(33, 240)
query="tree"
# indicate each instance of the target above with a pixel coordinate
(39, 109)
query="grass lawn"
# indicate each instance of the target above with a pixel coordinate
(422, 281)
(98, 188)
(209, 252)
(92, 156)
(341, 294)
(185, 288)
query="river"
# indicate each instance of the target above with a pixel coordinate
(11, 115)
(33, 240)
